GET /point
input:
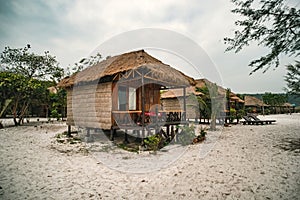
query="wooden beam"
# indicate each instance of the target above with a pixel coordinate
(143, 106)
(184, 104)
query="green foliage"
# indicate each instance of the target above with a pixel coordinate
(292, 79)
(291, 98)
(55, 114)
(22, 79)
(241, 96)
(3, 107)
(294, 99)
(232, 114)
(187, 134)
(122, 146)
(240, 113)
(84, 63)
(29, 64)
(65, 138)
(153, 142)
(58, 101)
(203, 132)
(214, 102)
(17, 88)
(274, 99)
(200, 137)
(273, 24)
(205, 111)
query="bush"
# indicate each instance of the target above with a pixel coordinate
(241, 113)
(203, 132)
(187, 134)
(201, 137)
(55, 114)
(153, 142)
(232, 114)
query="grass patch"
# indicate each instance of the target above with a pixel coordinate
(64, 138)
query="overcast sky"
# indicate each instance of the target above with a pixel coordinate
(71, 30)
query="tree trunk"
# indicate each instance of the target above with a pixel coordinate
(23, 112)
(213, 123)
(213, 119)
(20, 117)
(15, 113)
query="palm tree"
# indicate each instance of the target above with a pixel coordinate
(213, 101)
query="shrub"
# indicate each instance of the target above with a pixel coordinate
(153, 142)
(55, 114)
(187, 134)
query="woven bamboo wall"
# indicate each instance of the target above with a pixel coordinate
(192, 106)
(89, 106)
(171, 104)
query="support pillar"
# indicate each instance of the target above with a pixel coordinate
(126, 141)
(69, 130)
(112, 133)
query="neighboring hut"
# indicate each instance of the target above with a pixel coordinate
(235, 101)
(283, 108)
(287, 108)
(232, 101)
(254, 105)
(123, 92)
(173, 100)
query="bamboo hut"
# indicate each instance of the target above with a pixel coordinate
(255, 105)
(201, 83)
(283, 108)
(123, 91)
(233, 101)
(173, 99)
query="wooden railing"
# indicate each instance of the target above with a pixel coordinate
(128, 118)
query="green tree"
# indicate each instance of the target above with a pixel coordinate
(228, 93)
(58, 102)
(29, 64)
(5, 93)
(84, 63)
(273, 24)
(205, 110)
(13, 89)
(214, 102)
(20, 92)
(293, 79)
(22, 73)
(274, 100)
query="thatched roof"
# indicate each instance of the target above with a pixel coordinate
(237, 99)
(126, 62)
(286, 104)
(175, 93)
(200, 83)
(253, 101)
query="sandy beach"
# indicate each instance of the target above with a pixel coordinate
(237, 162)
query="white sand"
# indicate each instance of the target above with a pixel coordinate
(246, 162)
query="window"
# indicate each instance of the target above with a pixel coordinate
(122, 98)
(132, 98)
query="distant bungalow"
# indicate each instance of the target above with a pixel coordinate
(173, 99)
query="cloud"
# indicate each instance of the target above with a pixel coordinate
(73, 29)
